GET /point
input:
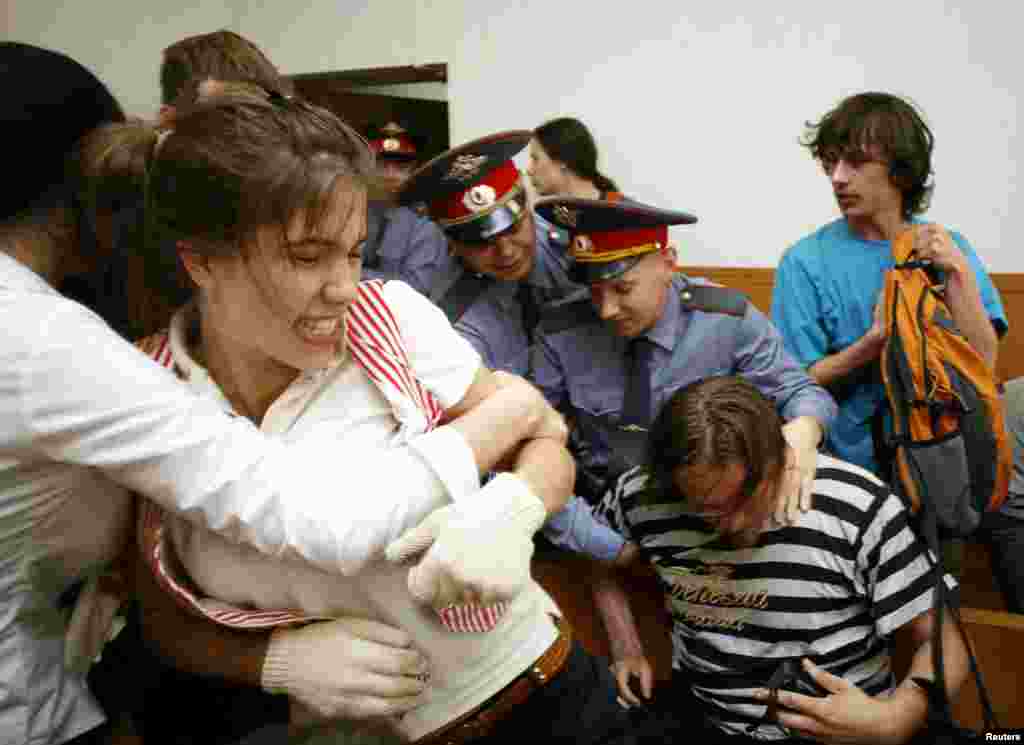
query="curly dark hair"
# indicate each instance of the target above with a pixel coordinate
(889, 123)
(714, 422)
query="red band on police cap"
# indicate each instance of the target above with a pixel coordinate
(612, 245)
(467, 202)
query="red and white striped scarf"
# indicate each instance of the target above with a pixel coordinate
(375, 341)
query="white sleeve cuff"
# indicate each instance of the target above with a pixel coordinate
(445, 450)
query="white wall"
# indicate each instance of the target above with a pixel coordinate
(695, 106)
(119, 41)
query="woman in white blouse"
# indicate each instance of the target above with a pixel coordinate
(84, 418)
(264, 198)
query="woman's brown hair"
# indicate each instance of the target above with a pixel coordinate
(569, 142)
(110, 167)
(237, 162)
(221, 55)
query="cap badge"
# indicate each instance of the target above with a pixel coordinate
(582, 246)
(391, 144)
(465, 167)
(566, 216)
(480, 197)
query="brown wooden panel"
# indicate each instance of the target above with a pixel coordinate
(997, 638)
(1011, 350)
(431, 73)
(566, 578)
(757, 282)
(978, 587)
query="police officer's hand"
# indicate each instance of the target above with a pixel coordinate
(629, 669)
(803, 435)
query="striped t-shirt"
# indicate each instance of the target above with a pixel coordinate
(833, 587)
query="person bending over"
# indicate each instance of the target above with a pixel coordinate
(815, 603)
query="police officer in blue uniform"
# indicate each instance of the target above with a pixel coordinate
(611, 361)
(510, 267)
(507, 268)
(400, 244)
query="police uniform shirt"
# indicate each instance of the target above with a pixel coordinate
(494, 322)
(401, 244)
(583, 369)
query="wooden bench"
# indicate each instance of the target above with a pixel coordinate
(998, 641)
(997, 636)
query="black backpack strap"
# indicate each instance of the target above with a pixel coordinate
(711, 299)
(940, 715)
(462, 294)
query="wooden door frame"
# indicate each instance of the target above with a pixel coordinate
(358, 78)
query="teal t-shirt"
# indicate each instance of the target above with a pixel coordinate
(825, 291)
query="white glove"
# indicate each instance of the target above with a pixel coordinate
(351, 668)
(478, 550)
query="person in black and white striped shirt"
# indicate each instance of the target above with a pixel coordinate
(749, 599)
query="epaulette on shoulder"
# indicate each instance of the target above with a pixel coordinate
(575, 310)
(710, 299)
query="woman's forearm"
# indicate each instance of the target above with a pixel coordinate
(497, 424)
(549, 470)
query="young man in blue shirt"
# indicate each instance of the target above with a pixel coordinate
(876, 151)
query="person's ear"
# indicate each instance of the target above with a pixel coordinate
(671, 253)
(664, 264)
(196, 264)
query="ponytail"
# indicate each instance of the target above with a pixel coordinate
(568, 141)
(133, 286)
(603, 183)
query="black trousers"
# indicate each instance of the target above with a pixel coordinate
(96, 736)
(170, 707)
(578, 706)
(1005, 538)
(676, 715)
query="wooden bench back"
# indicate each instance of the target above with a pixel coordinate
(757, 283)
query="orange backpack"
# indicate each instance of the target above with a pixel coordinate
(948, 448)
(948, 454)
